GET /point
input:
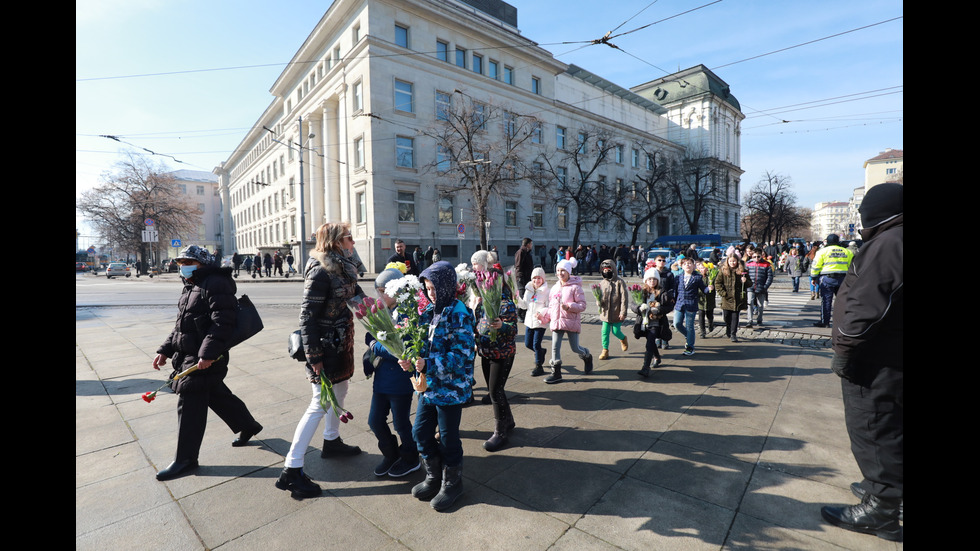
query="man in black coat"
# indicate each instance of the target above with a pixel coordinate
(523, 265)
(400, 256)
(205, 323)
(868, 339)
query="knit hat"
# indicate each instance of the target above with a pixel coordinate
(652, 272)
(568, 265)
(483, 258)
(539, 271)
(196, 253)
(387, 275)
(881, 203)
(833, 239)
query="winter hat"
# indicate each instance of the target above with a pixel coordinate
(568, 265)
(385, 276)
(484, 258)
(196, 253)
(833, 239)
(443, 278)
(539, 271)
(651, 272)
(881, 203)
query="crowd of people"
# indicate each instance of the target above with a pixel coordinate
(460, 330)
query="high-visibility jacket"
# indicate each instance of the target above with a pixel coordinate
(832, 259)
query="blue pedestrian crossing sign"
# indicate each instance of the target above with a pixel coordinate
(175, 243)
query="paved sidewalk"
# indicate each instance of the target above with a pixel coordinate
(736, 447)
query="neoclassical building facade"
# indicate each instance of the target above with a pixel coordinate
(347, 136)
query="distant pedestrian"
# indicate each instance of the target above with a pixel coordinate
(277, 263)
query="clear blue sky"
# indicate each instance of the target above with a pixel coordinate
(187, 78)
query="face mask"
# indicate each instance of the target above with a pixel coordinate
(607, 274)
(187, 271)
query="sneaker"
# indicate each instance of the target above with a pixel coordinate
(384, 467)
(402, 467)
(657, 362)
(688, 350)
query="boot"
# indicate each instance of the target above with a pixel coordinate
(604, 355)
(644, 371)
(408, 462)
(247, 435)
(499, 437)
(296, 481)
(452, 488)
(588, 363)
(537, 371)
(555, 376)
(389, 452)
(626, 344)
(873, 515)
(336, 447)
(858, 491)
(428, 488)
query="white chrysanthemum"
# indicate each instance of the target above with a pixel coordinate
(382, 335)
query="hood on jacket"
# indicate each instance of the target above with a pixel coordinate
(612, 266)
(442, 274)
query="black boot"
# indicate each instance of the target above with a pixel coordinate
(499, 438)
(428, 488)
(296, 481)
(336, 447)
(555, 376)
(873, 515)
(247, 435)
(389, 451)
(588, 363)
(537, 371)
(644, 371)
(858, 491)
(177, 468)
(452, 488)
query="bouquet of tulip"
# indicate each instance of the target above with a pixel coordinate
(489, 285)
(376, 319)
(410, 301)
(636, 292)
(328, 399)
(597, 293)
(512, 282)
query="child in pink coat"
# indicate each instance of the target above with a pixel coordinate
(566, 302)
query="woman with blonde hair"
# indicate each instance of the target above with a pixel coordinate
(327, 328)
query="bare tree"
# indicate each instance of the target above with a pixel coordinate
(575, 180)
(650, 194)
(771, 206)
(136, 191)
(693, 180)
(480, 150)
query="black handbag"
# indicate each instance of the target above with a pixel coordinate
(295, 346)
(249, 322)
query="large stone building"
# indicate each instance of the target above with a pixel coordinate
(348, 135)
(886, 166)
(201, 190)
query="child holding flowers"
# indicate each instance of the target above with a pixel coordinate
(496, 328)
(445, 384)
(651, 310)
(392, 389)
(614, 303)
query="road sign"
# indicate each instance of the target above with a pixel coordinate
(148, 221)
(175, 243)
(151, 236)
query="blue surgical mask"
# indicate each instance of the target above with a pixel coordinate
(187, 271)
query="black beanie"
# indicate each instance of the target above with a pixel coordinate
(882, 202)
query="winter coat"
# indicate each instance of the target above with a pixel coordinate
(389, 377)
(658, 306)
(732, 290)
(615, 296)
(502, 346)
(570, 293)
(794, 266)
(207, 312)
(686, 296)
(535, 301)
(326, 324)
(761, 275)
(706, 299)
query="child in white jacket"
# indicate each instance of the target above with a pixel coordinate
(535, 301)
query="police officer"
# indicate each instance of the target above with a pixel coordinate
(828, 270)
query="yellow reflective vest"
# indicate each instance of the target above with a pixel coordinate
(832, 259)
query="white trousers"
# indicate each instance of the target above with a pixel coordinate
(311, 420)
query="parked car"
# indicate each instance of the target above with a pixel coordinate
(117, 269)
(666, 253)
(81, 267)
(172, 267)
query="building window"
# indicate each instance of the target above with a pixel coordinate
(560, 137)
(403, 96)
(562, 220)
(460, 57)
(510, 212)
(358, 95)
(508, 75)
(361, 201)
(619, 154)
(635, 160)
(404, 152)
(537, 215)
(561, 174)
(536, 132)
(443, 162)
(478, 64)
(356, 33)
(358, 155)
(446, 209)
(443, 103)
(510, 124)
(479, 116)
(535, 85)
(442, 50)
(406, 206)
(492, 69)
(582, 140)
(401, 36)
(200, 190)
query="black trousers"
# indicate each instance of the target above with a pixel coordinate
(192, 416)
(497, 372)
(874, 414)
